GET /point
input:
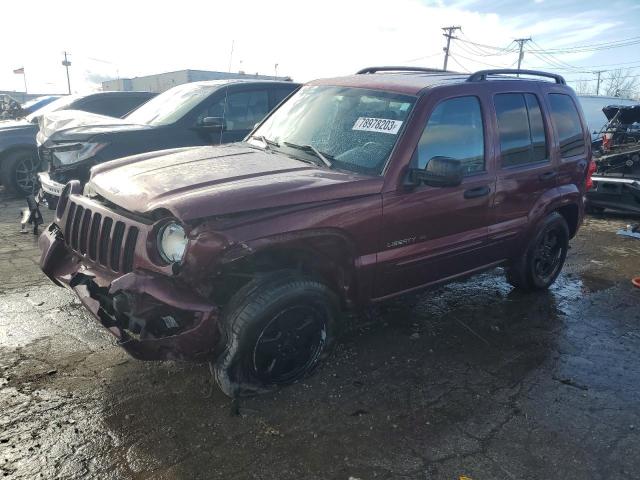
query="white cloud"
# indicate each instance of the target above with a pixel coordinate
(306, 39)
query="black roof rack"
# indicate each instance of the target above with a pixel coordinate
(400, 69)
(483, 74)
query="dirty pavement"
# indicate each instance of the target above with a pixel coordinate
(472, 380)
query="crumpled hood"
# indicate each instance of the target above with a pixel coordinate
(200, 182)
(78, 126)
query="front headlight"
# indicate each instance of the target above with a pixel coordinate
(76, 152)
(172, 242)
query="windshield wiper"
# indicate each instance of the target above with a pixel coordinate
(267, 143)
(311, 148)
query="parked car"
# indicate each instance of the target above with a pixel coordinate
(19, 162)
(34, 104)
(199, 113)
(616, 181)
(592, 106)
(355, 190)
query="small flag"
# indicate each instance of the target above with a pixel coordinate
(19, 71)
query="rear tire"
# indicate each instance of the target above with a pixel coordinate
(18, 171)
(277, 329)
(543, 259)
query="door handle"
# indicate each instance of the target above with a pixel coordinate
(477, 192)
(547, 176)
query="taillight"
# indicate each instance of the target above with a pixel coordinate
(591, 169)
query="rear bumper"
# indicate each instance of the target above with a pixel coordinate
(152, 316)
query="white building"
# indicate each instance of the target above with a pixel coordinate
(164, 81)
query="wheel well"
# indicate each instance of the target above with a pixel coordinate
(570, 214)
(308, 262)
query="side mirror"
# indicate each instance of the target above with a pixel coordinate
(212, 123)
(439, 172)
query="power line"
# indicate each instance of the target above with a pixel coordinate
(466, 70)
(458, 55)
(594, 46)
(421, 58)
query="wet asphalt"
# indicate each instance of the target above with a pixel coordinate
(473, 379)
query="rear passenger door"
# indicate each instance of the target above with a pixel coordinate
(525, 169)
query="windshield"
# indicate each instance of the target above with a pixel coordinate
(172, 105)
(354, 128)
(57, 104)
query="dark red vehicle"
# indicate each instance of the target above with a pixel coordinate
(355, 190)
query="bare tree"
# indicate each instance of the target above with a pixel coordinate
(584, 87)
(621, 83)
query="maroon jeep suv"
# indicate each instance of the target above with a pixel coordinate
(355, 190)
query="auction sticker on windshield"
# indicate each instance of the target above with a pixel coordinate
(381, 125)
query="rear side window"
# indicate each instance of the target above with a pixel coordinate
(567, 121)
(454, 130)
(521, 129)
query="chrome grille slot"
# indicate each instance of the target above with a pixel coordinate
(100, 236)
(93, 236)
(103, 248)
(129, 249)
(69, 222)
(75, 227)
(116, 246)
(84, 231)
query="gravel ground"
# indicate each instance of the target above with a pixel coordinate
(472, 379)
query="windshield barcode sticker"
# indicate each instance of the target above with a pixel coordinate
(381, 125)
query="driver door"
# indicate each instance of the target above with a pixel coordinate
(431, 234)
(239, 112)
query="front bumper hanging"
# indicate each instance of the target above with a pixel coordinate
(152, 316)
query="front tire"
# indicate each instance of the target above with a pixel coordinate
(19, 170)
(542, 262)
(277, 329)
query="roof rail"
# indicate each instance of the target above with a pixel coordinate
(400, 69)
(483, 74)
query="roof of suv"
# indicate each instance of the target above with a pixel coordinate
(411, 81)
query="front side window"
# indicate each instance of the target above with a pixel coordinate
(567, 121)
(355, 128)
(521, 129)
(240, 110)
(455, 130)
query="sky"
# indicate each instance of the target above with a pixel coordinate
(307, 40)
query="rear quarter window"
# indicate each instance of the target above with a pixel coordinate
(566, 119)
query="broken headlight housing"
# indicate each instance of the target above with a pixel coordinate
(76, 152)
(172, 242)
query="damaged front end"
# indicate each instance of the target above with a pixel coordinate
(103, 257)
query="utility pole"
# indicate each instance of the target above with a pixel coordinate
(521, 42)
(66, 63)
(231, 54)
(598, 82)
(449, 35)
